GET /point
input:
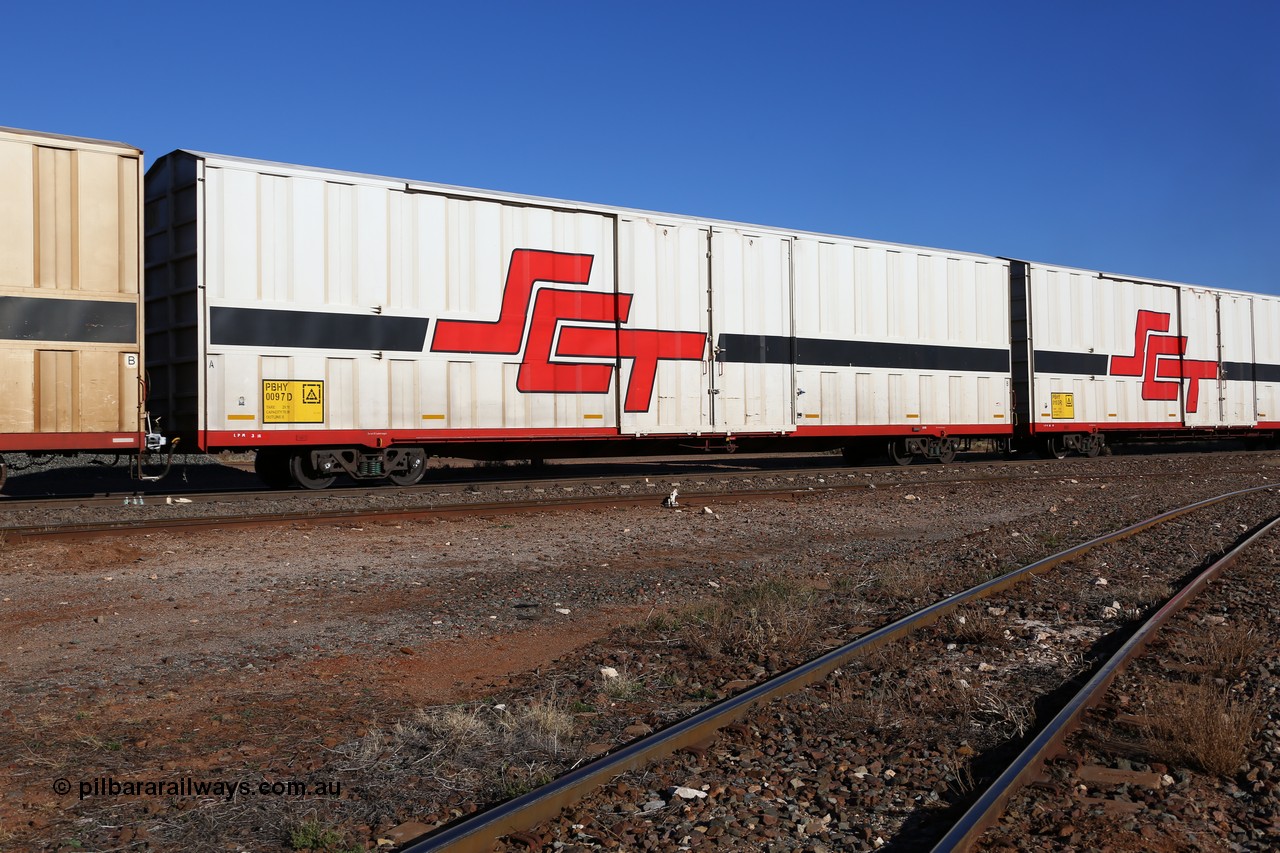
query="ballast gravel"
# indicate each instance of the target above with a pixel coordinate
(309, 653)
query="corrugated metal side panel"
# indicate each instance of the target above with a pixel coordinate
(870, 298)
(1236, 350)
(663, 264)
(69, 283)
(1198, 324)
(1080, 326)
(1266, 337)
(174, 315)
(359, 256)
(751, 283)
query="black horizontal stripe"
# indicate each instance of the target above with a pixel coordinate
(268, 327)
(781, 349)
(1247, 371)
(26, 318)
(1079, 363)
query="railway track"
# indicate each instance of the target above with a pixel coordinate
(519, 817)
(119, 514)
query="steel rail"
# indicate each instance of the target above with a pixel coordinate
(478, 832)
(987, 810)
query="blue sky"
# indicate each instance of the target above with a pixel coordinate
(1138, 137)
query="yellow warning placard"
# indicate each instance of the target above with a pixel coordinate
(1063, 405)
(292, 401)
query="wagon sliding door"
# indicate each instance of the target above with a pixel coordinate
(1236, 343)
(663, 270)
(753, 376)
(1217, 364)
(733, 288)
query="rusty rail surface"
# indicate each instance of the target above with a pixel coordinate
(480, 831)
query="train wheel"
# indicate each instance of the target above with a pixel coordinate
(303, 474)
(948, 454)
(417, 461)
(1054, 447)
(1093, 446)
(4, 473)
(272, 467)
(899, 453)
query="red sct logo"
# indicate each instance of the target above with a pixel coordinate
(589, 325)
(1158, 359)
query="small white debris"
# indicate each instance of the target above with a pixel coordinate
(1053, 508)
(1015, 534)
(706, 510)
(962, 619)
(713, 584)
(563, 611)
(889, 774)
(962, 683)
(986, 667)
(670, 501)
(997, 611)
(689, 793)
(608, 672)
(911, 498)
(1166, 780)
(654, 805)
(951, 647)
(1100, 582)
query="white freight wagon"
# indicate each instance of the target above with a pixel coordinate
(1108, 354)
(350, 323)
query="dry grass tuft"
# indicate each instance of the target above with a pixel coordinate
(972, 626)
(906, 580)
(1231, 650)
(479, 749)
(1204, 725)
(621, 687)
(754, 621)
